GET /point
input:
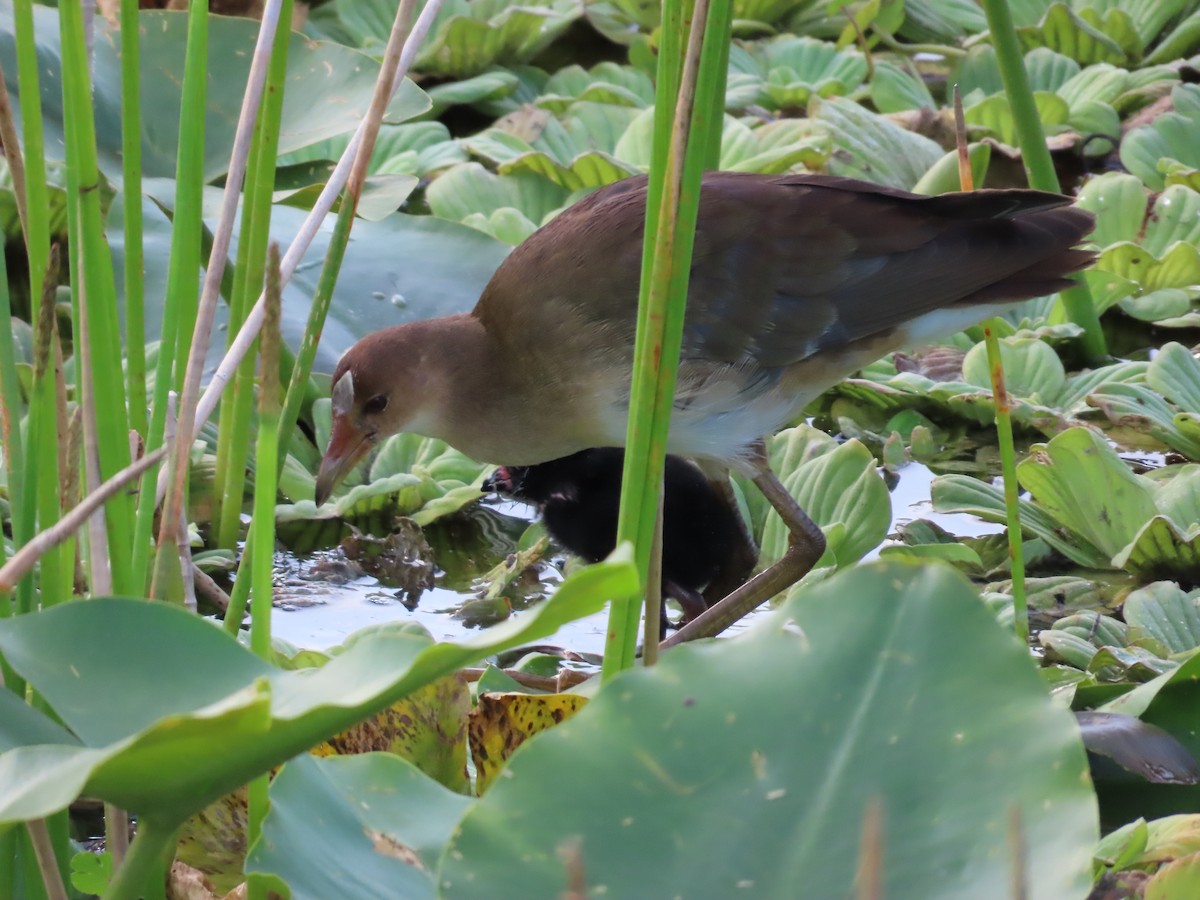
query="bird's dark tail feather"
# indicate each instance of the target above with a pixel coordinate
(1056, 233)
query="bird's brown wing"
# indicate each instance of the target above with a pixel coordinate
(786, 268)
(783, 267)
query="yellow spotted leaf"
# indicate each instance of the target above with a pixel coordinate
(503, 721)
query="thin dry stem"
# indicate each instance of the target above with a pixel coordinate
(966, 178)
(12, 153)
(24, 559)
(308, 230)
(1020, 858)
(43, 849)
(100, 572)
(208, 589)
(174, 511)
(116, 833)
(868, 879)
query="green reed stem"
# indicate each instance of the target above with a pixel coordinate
(143, 863)
(266, 479)
(131, 167)
(1031, 138)
(183, 270)
(237, 404)
(92, 266)
(1003, 415)
(42, 435)
(672, 209)
(41, 457)
(11, 407)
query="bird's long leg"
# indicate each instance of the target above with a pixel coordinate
(806, 544)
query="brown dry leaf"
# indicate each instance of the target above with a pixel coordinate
(186, 883)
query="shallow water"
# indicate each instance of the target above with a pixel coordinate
(313, 611)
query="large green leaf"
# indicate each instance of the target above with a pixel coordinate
(329, 88)
(396, 270)
(333, 822)
(197, 714)
(24, 725)
(695, 781)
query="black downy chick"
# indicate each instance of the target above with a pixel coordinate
(579, 497)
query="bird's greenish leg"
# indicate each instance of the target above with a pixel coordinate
(806, 545)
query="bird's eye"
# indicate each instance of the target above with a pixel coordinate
(375, 405)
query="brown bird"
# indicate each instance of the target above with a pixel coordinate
(796, 282)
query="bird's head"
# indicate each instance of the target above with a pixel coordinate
(373, 397)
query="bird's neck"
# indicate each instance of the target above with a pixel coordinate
(489, 405)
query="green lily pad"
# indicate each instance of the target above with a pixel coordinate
(784, 72)
(1141, 409)
(605, 82)
(995, 114)
(941, 20)
(414, 148)
(1164, 407)
(1085, 35)
(1167, 613)
(1119, 202)
(468, 36)
(1178, 878)
(161, 745)
(1082, 483)
(894, 745)
(898, 87)
(1098, 630)
(841, 487)
(1031, 369)
(770, 148)
(964, 494)
(329, 88)
(575, 150)
(1102, 83)
(977, 74)
(1049, 71)
(871, 147)
(342, 827)
(1162, 549)
(1168, 137)
(508, 207)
